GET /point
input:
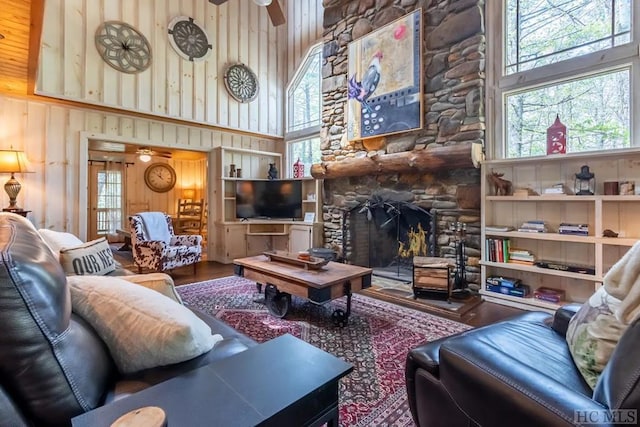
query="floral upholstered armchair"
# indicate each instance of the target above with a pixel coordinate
(156, 247)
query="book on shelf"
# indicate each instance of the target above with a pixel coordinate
(578, 229)
(497, 250)
(549, 294)
(572, 268)
(521, 192)
(555, 189)
(510, 282)
(498, 228)
(521, 291)
(521, 262)
(534, 226)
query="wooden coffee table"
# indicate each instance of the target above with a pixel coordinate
(321, 285)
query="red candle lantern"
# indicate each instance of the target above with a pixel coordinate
(557, 137)
(298, 169)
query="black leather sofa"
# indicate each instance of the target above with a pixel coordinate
(53, 365)
(518, 372)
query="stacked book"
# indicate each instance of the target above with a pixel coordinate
(549, 294)
(521, 256)
(555, 189)
(579, 229)
(507, 286)
(534, 226)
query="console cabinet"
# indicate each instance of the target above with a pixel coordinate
(617, 213)
(236, 238)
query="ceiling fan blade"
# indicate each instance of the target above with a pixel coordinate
(217, 2)
(275, 13)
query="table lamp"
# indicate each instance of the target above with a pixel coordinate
(188, 193)
(12, 161)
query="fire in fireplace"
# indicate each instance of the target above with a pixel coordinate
(385, 234)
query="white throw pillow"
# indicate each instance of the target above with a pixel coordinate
(57, 240)
(94, 257)
(141, 327)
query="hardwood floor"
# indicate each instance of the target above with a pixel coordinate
(483, 314)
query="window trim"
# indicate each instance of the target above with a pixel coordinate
(316, 48)
(499, 85)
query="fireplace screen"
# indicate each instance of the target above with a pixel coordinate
(386, 235)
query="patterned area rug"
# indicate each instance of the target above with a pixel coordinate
(376, 341)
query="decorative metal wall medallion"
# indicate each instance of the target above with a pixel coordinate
(241, 82)
(123, 47)
(189, 39)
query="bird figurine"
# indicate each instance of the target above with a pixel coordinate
(363, 89)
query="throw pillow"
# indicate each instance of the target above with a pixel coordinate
(141, 327)
(94, 257)
(57, 240)
(593, 333)
(159, 282)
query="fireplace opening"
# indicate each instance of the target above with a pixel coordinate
(385, 235)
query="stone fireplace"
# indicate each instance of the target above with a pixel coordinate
(430, 169)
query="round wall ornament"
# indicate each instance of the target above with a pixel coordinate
(123, 47)
(241, 82)
(189, 39)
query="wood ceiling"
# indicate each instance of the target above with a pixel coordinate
(17, 21)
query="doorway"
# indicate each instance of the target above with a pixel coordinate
(106, 192)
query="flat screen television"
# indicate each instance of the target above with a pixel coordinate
(281, 199)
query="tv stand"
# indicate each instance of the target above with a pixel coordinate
(237, 237)
(240, 239)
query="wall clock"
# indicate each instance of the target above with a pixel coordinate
(160, 177)
(123, 47)
(241, 82)
(189, 39)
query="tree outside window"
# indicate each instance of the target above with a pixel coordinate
(577, 59)
(304, 112)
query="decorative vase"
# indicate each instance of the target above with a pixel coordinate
(273, 171)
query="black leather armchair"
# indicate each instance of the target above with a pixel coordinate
(518, 372)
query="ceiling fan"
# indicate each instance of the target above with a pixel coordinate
(273, 8)
(145, 154)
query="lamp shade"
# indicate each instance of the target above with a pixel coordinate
(188, 193)
(12, 161)
(262, 2)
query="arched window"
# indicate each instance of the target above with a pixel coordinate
(304, 112)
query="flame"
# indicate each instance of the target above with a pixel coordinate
(416, 243)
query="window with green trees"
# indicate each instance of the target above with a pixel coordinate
(304, 112)
(576, 59)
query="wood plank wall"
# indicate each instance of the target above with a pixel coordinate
(54, 135)
(304, 30)
(240, 31)
(55, 139)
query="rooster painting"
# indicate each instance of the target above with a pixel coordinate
(363, 89)
(384, 80)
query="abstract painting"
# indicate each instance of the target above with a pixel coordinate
(385, 80)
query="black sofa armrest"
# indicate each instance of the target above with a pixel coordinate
(562, 317)
(10, 415)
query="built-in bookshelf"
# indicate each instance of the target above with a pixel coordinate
(599, 214)
(236, 238)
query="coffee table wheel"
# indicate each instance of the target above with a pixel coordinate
(339, 317)
(277, 302)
